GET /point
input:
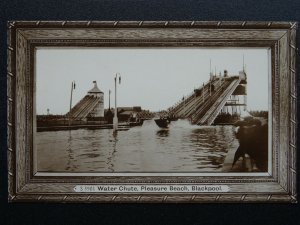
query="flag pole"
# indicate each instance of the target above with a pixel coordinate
(109, 99)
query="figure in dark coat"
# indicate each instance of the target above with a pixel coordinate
(253, 138)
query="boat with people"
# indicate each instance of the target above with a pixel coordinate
(162, 122)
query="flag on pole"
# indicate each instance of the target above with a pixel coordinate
(119, 80)
(74, 85)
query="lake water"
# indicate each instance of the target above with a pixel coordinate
(148, 148)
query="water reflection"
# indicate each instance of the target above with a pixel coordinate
(70, 153)
(163, 133)
(181, 148)
(111, 157)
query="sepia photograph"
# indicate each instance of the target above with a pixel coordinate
(152, 110)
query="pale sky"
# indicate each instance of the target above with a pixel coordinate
(153, 78)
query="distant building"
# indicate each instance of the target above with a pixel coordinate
(89, 107)
(129, 114)
(98, 110)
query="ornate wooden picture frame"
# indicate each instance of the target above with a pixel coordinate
(25, 183)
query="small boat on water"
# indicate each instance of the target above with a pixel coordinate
(137, 123)
(162, 122)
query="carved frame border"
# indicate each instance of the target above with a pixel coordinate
(25, 36)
